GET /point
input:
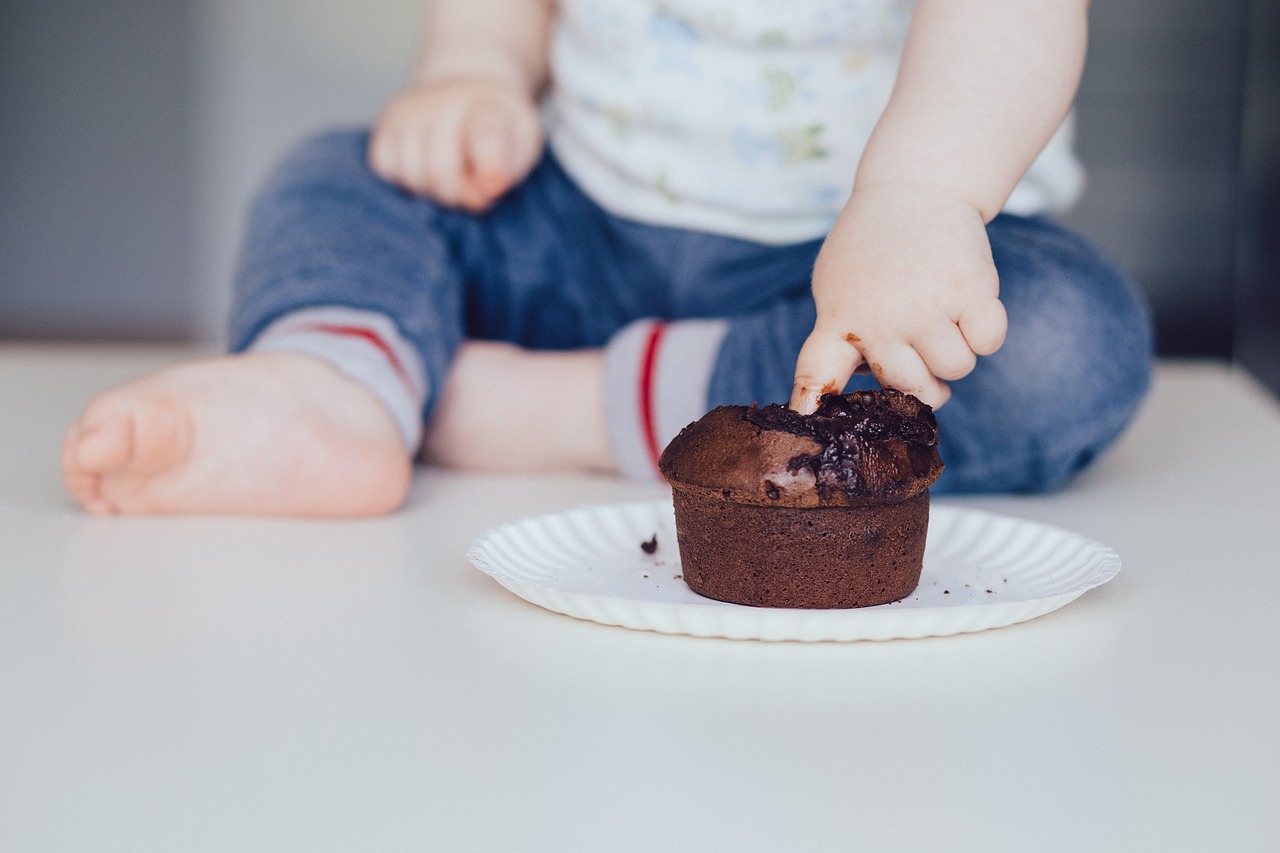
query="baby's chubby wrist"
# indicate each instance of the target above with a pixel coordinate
(497, 87)
(907, 193)
(500, 73)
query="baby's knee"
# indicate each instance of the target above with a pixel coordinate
(325, 186)
(332, 158)
(1082, 322)
(1076, 367)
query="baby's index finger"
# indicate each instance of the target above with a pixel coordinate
(824, 366)
(805, 395)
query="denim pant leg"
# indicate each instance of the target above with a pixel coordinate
(326, 231)
(1072, 371)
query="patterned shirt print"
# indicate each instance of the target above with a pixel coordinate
(743, 118)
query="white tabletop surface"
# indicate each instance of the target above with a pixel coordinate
(188, 684)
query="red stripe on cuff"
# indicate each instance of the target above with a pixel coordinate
(371, 337)
(648, 365)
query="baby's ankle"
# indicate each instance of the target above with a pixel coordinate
(507, 408)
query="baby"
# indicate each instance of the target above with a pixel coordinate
(585, 223)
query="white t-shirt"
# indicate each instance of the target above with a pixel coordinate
(738, 117)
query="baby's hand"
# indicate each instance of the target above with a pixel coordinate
(906, 284)
(462, 143)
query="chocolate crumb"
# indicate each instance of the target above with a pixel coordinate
(651, 545)
(946, 592)
(989, 592)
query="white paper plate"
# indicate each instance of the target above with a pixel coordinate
(981, 570)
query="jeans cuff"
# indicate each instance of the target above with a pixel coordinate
(364, 346)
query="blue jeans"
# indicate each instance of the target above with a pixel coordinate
(548, 268)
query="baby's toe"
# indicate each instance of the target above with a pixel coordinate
(103, 444)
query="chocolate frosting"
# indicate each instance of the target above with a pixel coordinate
(867, 447)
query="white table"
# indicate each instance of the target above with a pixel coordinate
(243, 685)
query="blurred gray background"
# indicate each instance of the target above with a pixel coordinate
(135, 131)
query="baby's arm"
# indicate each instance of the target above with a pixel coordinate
(467, 129)
(905, 280)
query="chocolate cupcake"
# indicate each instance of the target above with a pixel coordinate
(829, 510)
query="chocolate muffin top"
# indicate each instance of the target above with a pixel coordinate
(867, 447)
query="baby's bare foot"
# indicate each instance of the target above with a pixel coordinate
(264, 433)
(510, 409)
